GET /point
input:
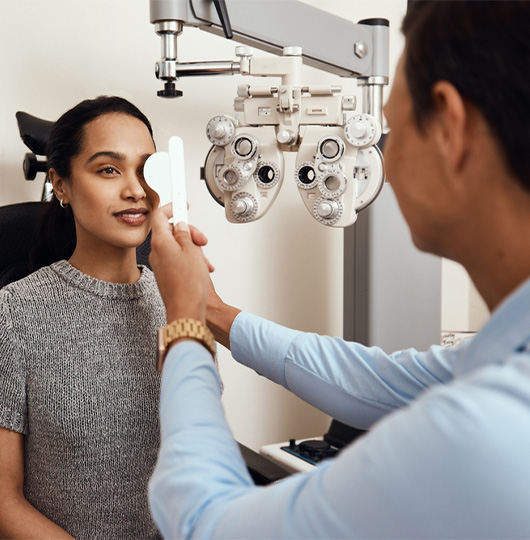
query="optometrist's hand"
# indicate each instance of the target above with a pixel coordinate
(180, 267)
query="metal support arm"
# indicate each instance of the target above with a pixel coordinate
(328, 42)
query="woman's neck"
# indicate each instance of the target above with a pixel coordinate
(113, 266)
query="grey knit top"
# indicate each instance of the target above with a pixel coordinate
(78, 379)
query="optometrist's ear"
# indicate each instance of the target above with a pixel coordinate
(59, 186)
(451, 122)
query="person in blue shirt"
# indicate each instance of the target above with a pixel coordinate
(447, 452)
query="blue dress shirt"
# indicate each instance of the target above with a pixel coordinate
(447, 456)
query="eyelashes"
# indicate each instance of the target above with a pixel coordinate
(108, 170)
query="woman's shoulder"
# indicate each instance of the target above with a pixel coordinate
(50, 281)
(147, 275)
(149, 285)
(42, 277)
(27, 296)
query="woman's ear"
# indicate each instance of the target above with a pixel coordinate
(59, 186)
(451, 119)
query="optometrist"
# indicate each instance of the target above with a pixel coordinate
(447, 453)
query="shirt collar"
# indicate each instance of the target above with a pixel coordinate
(507, 331)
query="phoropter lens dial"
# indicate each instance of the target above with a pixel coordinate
(267, 174)
(231, 177)
(305, 175)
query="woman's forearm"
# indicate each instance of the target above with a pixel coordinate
(19, 519)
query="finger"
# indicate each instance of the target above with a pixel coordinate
(167, 209)
(181, 233)
(159, 223)
(198, 237)
(182, 226)
(211, 267)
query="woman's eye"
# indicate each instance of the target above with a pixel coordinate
(108, 170)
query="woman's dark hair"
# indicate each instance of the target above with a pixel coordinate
(483, 49)
(57, 232)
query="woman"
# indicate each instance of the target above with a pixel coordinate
(78, 399)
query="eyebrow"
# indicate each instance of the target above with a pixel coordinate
(113, 155)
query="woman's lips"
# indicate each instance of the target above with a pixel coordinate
(132, 216)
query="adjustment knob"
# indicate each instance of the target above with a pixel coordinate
(358, 130)
(32, 166)
(331, 148)
(286, 136)
(293, 50)
(169, 90)
(328, 209)
(243, 50)
(243, 207)
(362, 130)
(244, 147)
(220, 130)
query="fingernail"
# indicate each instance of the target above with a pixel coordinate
(183, 226)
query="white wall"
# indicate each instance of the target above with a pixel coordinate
(463, 309)
(285, 267)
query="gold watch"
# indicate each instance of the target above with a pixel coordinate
(183, 328)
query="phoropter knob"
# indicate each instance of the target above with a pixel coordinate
(245, 146)
(220, 130)
(243, 207)
(362, 130)
(327, 209)
(169, 91)
(330, 148)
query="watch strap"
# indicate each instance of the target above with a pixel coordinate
(183, 328)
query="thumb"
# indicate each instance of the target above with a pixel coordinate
(159, 224)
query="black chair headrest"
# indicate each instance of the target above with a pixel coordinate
(34, 131)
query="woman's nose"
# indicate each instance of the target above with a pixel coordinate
(133, 188)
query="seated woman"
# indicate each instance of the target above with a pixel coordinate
(79, 430)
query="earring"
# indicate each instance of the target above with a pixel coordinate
(61, 204)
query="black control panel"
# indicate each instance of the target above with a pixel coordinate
(313, 450)
(316, 450)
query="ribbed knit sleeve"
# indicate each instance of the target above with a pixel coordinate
(12, 372)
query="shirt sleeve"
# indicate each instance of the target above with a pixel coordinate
(429, 470)
(350, 382)
(13, 414)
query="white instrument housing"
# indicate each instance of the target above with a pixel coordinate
(339, 169)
